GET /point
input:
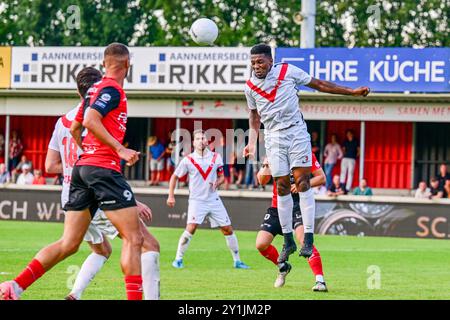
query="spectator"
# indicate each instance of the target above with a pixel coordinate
(26, 177)
(5, 177)
(23, 161)
(336, 188)
(363, 189)
(15, 150)
(435, 190)
(315, 144)
(2, 148)
(170, 153)
(351, 152)
(239, 169)
(332, 153)
(443, 175)
(422, 192)
(157, 152)
(38, 178)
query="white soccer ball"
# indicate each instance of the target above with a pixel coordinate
(204, 31)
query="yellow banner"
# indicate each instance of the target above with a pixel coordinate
(5, 67)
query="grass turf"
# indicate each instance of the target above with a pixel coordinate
(410, 268)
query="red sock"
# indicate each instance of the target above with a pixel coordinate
(271, 254)
(133, 284)
(315, 262)
(30, 274)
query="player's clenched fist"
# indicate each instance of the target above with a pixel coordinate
(129, 155)
(361, 91)
(171, 201)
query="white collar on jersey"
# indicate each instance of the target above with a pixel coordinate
(206, 154)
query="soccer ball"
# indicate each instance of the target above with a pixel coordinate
(204, 31)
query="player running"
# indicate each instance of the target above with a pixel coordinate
(61, 156)
(97, 182)
(271, 227)
(205, 170)
(272, 99)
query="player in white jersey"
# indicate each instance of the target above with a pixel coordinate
(62, 154)
(205, 169)
(272, 99)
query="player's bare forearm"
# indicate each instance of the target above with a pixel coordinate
(172, 185)
(76, 129)
(333, 88)
(220, 180)
(318, 178)
(254, 124)
(53, 163)
(93, 122)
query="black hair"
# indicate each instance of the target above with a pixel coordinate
(86, 78)
(262, 48)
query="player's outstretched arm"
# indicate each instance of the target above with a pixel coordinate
(330, 87)
(93, 122)
(172, 185)
(53, 163)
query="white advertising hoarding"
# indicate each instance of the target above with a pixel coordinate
(153, 68)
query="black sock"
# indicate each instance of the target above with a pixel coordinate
(289, 239)
(308, 239)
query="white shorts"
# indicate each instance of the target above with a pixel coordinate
(213, 209)
(287, 149)
(156, 165)
(100, 226)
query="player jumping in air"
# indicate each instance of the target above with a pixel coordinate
(61, 157)
(272, 99)
(205, 169)
(97, 182)
(271, 227)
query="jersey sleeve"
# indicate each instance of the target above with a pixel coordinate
(107, 100)
(80, 113)
(219, 162)
(301, 78)
(53, 144)
(251, 102)
(182, 168)
(315, 163)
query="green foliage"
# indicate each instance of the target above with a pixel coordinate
(339, 23)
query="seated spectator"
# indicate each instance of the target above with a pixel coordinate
(436, 192)
(38, 178)
(443, 175)
(422, 192)
(363, 189)
(5, 177)
(157, 153)
(26, 177)
(337, 188)
(18, 169)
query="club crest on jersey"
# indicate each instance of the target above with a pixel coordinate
(105, 97)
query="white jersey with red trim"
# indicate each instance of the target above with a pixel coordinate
(63, 142)
(203, 172)
(275, 97)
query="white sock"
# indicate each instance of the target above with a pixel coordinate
(320, 278)
(232, 243)
(150, 275)
(183, 244)
(285, 207)
(88, 270)
(308, 208)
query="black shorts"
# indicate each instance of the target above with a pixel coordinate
(96, 187)
(272, 224)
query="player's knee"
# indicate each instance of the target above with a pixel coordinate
(69, 247)
(150, 244)
(283, 188)
(261, 246)
(227, 231)
(135, 240)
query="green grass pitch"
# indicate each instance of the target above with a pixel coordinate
(409, 268)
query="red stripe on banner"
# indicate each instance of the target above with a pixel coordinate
(272, 94)
(203, 173)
